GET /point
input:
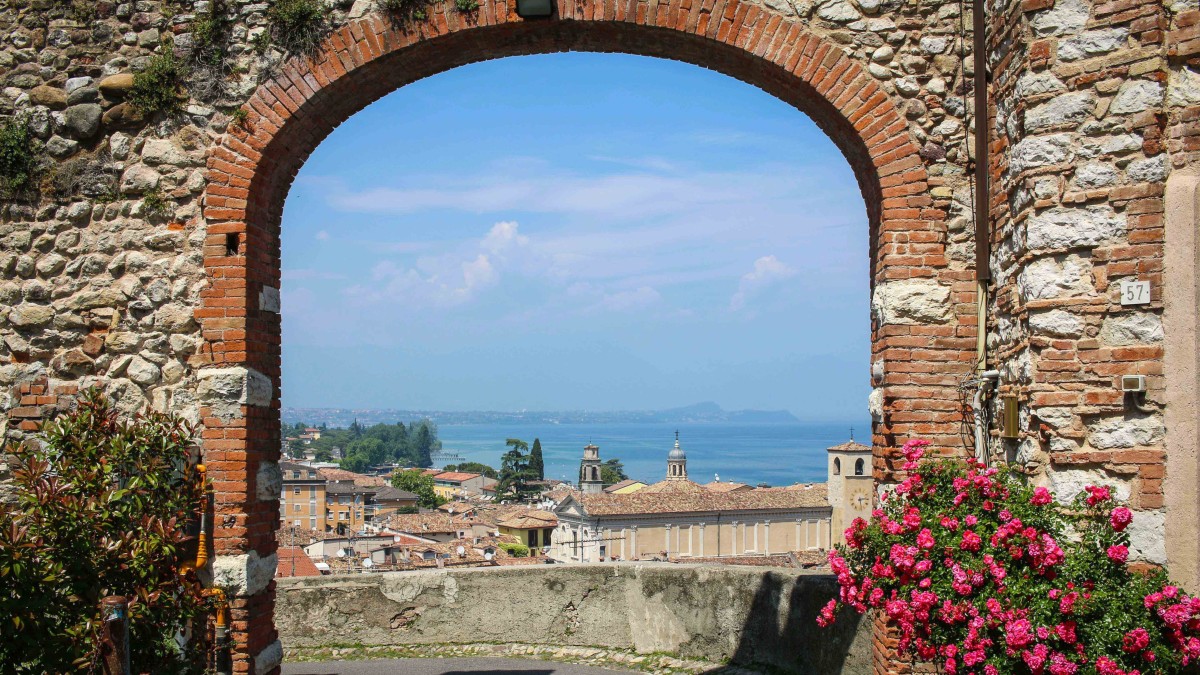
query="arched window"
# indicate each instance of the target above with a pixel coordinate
(858, 467)
(837, 466)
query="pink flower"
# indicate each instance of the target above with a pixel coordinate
(970, 541)
(1018, 633)
(1041, 497)
(1118, 553)
(1135, 640)
(925, 539)
(1106, 666)
(1120, 518)
(1097, 494)
(1059, 665)
(826, 616)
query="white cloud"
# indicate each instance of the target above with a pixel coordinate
(638, 298)
(768, 271)
(322, 235)
(432, 282)
(651, 188)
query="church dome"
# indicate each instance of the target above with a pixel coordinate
(677, 452)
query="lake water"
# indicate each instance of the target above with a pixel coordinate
(778, 454)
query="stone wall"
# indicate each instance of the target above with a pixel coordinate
(723, 614)
(1084, 94)
(147, 262)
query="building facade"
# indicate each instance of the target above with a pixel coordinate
(676, 518)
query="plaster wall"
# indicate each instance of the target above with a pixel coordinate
(737, 614)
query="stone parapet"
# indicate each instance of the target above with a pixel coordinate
(739, 615)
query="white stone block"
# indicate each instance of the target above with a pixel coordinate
(911, 301)
(243, 575)
(1126, 433)
(1071, 227)
(1134, 328)
(1136, 96)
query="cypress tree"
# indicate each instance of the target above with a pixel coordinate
(535, 460)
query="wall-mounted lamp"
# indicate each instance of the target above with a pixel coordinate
(535, 9)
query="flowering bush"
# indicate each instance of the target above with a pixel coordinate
(981, 573)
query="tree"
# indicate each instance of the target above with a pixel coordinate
(472, 467)
(535, 460)
(612, 471)
(424, 443)
(100, 510)
(420, 484)
(515, 473)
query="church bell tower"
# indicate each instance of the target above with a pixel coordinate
(589, 471)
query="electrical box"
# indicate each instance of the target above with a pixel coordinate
(1010, 419)
(1133, 383)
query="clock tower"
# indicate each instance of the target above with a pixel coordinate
(850, 483)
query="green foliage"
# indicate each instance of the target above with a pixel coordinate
(157, 206)
(514, 549)
(18, 157)
(297, 26)
(100, 511)
(536, 463)
(515, 472)
(156, 89)
(982, 573)
(363, 447)
(239, 117)
(405, 10)
(420, 484)
(612, 471)
(208, 59)
(466, 5)
(473, 467)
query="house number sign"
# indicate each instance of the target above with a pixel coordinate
(1134, 292)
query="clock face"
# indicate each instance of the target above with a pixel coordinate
(860, 499)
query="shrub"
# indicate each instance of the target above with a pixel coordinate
(405, 10)
(514, 549)
(156, 89)
(18, 157)
(982, 573)
(466, 5)
(298, 26)
(156, 205)
(90, 176)
(99, 512)
(208, 59)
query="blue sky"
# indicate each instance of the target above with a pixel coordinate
(577, 231)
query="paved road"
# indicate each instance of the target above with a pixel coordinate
(485, 666)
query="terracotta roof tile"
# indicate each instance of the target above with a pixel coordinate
(701, 500)
(716, 486)
(294, 562)
(850, 446)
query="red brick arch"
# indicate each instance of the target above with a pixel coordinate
(252, 168)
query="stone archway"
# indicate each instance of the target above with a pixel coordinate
(916, 327)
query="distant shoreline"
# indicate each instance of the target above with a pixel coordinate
(700, 413)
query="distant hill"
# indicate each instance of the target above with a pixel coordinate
(699, 413)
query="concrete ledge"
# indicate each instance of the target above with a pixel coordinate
(740, 615)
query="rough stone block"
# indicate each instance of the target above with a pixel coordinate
(268, 482)
(226, 389)
(911, 301)
(1074, 227)
(242, 575)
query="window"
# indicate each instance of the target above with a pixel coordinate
(344, 515)
(312, 523)
(858, 467)
(837, 466)
(296, 490)
(296, 508)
